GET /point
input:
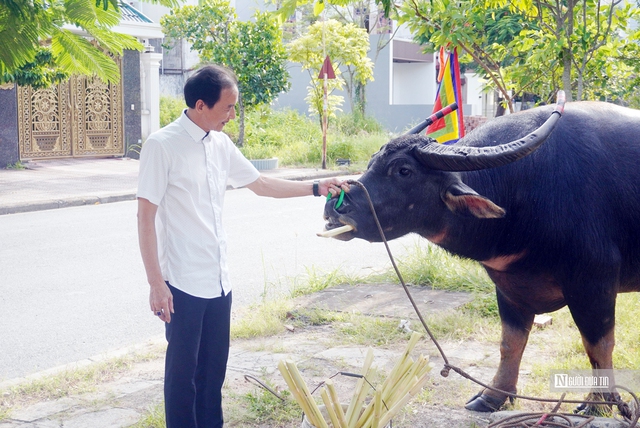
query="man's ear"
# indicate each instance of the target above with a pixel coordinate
(200, 105)
(463, 200)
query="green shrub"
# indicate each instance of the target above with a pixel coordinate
(293, 138)
(296, 140)
(354, 124)
(170, 109)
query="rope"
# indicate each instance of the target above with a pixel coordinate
(263, 385)
(448, 366)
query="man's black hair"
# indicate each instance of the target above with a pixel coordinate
(207, 83)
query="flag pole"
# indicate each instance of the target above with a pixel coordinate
(435, 116)
(325, 96)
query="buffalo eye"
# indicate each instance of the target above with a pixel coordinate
(404, 171)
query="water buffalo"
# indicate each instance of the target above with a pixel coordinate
(552, 227)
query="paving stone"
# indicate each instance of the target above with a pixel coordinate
(110, 418)
(44, 409)
(383, 300)
(354, 357)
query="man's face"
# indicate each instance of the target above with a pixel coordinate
(216, 117)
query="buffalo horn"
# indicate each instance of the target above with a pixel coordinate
(461, 158)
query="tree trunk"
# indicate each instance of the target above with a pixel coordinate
(500, 110)
(566, 73)
(580, 87)
(361, 101)
(567, 52)
(241, 115)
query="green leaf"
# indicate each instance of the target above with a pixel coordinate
(76, 55)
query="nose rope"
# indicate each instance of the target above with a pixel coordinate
(448, 366)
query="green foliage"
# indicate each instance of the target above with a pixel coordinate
(355, 123)
(287, 8)
(484, 305)
(43, 50)
(170, 109)
(346, 45)
(16, 165)
(252, 49)
(373, 331)
(434, 267)
(265, 319)
(524, 47)
(319, 280)
(39, 73)
(153, 418)
(266, 408)
(295, 139)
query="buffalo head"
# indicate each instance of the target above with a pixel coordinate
(415, 185)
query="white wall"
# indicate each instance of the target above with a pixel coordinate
(413, 83)
(475, 84)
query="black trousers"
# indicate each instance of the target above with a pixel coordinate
(196, 360)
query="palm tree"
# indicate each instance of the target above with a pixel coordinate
(41, 45)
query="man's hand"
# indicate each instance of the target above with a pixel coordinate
(332, 185)
(161, 301)
(160, 298)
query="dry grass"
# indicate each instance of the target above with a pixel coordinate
(69, 382)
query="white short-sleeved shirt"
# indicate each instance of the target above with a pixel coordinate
(185, 173)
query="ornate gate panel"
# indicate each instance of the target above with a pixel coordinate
(43, 118)
(97, 117)
(81, 117)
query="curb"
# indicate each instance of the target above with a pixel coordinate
(130, 194)
(64, 203)
(144, 346)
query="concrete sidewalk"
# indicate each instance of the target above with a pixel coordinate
(50, 184)
(122, 401)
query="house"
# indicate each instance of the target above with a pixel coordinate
(83, 116)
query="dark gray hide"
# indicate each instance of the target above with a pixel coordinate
(558, 227)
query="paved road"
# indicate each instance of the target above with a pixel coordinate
(72, 283)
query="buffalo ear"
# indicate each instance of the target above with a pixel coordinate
(462, 199)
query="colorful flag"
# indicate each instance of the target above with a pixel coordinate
(450, 128)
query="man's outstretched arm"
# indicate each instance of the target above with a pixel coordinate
(279, 188)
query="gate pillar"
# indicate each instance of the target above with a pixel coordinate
(150, 83)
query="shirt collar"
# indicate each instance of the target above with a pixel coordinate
(192, 129)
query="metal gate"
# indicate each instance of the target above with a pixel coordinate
(81, 117)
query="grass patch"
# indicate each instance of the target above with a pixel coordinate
(434, 267)
(265, 319)
(316, 317)
(153, 418)
(372, 331)
(461, 325)
(265, 408)
(17, 166)
(319, 280)
(69, 382)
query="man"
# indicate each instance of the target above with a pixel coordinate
(184, 170)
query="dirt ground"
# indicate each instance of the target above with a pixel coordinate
(319, 355)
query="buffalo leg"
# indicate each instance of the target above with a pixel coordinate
(598, 338)
(516, 326)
